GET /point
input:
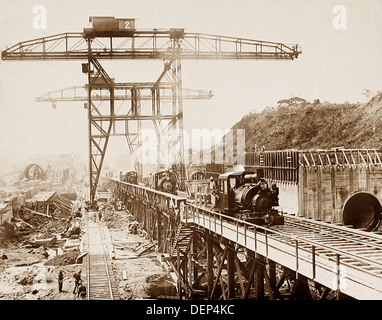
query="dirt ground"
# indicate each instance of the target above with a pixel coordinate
(138, 276)
(26, 274)
(29, 271)
(23, 276)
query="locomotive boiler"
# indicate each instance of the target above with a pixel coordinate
(248, 196)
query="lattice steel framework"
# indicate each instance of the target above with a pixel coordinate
(126, 115)
(169, 45)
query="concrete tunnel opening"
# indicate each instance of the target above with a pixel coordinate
(362, 210)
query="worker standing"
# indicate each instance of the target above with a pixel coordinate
(60, 280)
(213, 191)
(211, 185)
(77, 280)
(81, 290)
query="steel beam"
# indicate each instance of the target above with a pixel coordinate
(121, 92)
(148, 44)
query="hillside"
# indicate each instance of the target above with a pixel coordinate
(297, 123)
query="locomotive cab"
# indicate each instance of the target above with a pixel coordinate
(228, 182)
(249, 197)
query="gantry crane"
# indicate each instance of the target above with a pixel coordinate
(125, 113)
(80, 93)
(116, 39)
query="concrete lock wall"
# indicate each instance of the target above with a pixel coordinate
(323, 190)
(288, 197)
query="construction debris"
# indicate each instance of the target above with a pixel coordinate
(117, 220)
(69, 257)
(145, 248)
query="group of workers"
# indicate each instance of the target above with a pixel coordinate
(79, 286)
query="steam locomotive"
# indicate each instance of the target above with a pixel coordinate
(130, 177)
(164, 181)
(247, 196)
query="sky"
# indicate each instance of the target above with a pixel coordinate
(336, 64)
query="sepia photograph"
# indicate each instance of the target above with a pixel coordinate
(211, 152)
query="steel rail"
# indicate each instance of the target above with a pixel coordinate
(105, 262)
(106, 265)
(88, 259)
(269, 229)
(283, 235)
(339, 232)
(285, 248)
(319, 261)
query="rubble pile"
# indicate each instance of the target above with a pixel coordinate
(69, 257)
(35, 227)
(136, 228)
(123, 221)
(34, 245)
(117, 220)
(63, 202)
(160, 286)
(52, 227)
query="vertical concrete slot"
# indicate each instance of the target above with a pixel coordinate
(362, 210)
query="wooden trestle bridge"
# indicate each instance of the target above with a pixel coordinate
(215, 256)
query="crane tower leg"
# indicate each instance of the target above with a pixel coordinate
(100, 122)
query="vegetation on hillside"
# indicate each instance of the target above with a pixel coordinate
(297, 123)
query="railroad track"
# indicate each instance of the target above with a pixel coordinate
(359, 249)
(100, 280)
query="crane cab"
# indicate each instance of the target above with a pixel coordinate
(110, 26)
